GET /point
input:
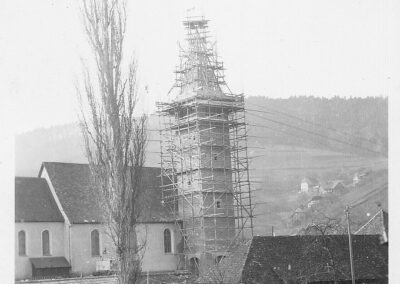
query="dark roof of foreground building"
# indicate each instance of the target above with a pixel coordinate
(298, 259)
(79, 200)
(34, 201)
(229, 269)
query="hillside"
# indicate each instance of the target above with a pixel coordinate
(337, 124)
(289, 139)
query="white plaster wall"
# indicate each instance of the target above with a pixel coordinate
(33, 234)
(82, 260)
(155, 259)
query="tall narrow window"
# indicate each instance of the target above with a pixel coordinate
(46, 242)
(95, 241)
(167, 241)
(21, 243)
(219, 258)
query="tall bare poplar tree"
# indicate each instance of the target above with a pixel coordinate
(115, 140)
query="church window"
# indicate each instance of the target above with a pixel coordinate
(219, 258)
(194, 264)
(95, 241)
(46, 242)
(167, 241)
(21, 243)
(219, 204)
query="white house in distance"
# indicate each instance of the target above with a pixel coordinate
(308, 184)
(58, 225)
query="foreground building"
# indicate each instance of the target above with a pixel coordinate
(303, 259)
(315, 259)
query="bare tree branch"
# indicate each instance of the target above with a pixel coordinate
(114, 139)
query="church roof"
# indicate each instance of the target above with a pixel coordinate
(34, 201)
(72, 185)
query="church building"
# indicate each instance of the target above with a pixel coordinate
(59, 231)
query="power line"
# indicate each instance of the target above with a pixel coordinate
(345, 134)
(287, 133)
(311, 168)
(299, 129)
(314, 133)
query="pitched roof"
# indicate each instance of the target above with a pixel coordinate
(229, 269)
(297, 258)
(332, 184)
(316, 198)
(72, 184)
(34, 201)
(310, 181)
(335, 183)
(377, 225)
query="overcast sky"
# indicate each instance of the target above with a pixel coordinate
(270, 48)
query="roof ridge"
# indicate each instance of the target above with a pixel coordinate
(68, 163)
(28, 177)
(86, 164)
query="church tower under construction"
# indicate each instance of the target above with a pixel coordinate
(204, 162)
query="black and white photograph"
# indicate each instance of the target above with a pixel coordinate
(199, 141)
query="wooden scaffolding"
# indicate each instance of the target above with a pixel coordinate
(204, 162)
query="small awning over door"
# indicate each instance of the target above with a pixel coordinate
(50, 262)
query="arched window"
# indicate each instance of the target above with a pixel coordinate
(21, 243)
(95, 241)
(219, 258)
(167, 241)
(194, 266)
(45, 242)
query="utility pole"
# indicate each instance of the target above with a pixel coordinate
(353, 279)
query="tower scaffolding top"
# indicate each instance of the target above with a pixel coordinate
(194, 22)
(199, 72)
